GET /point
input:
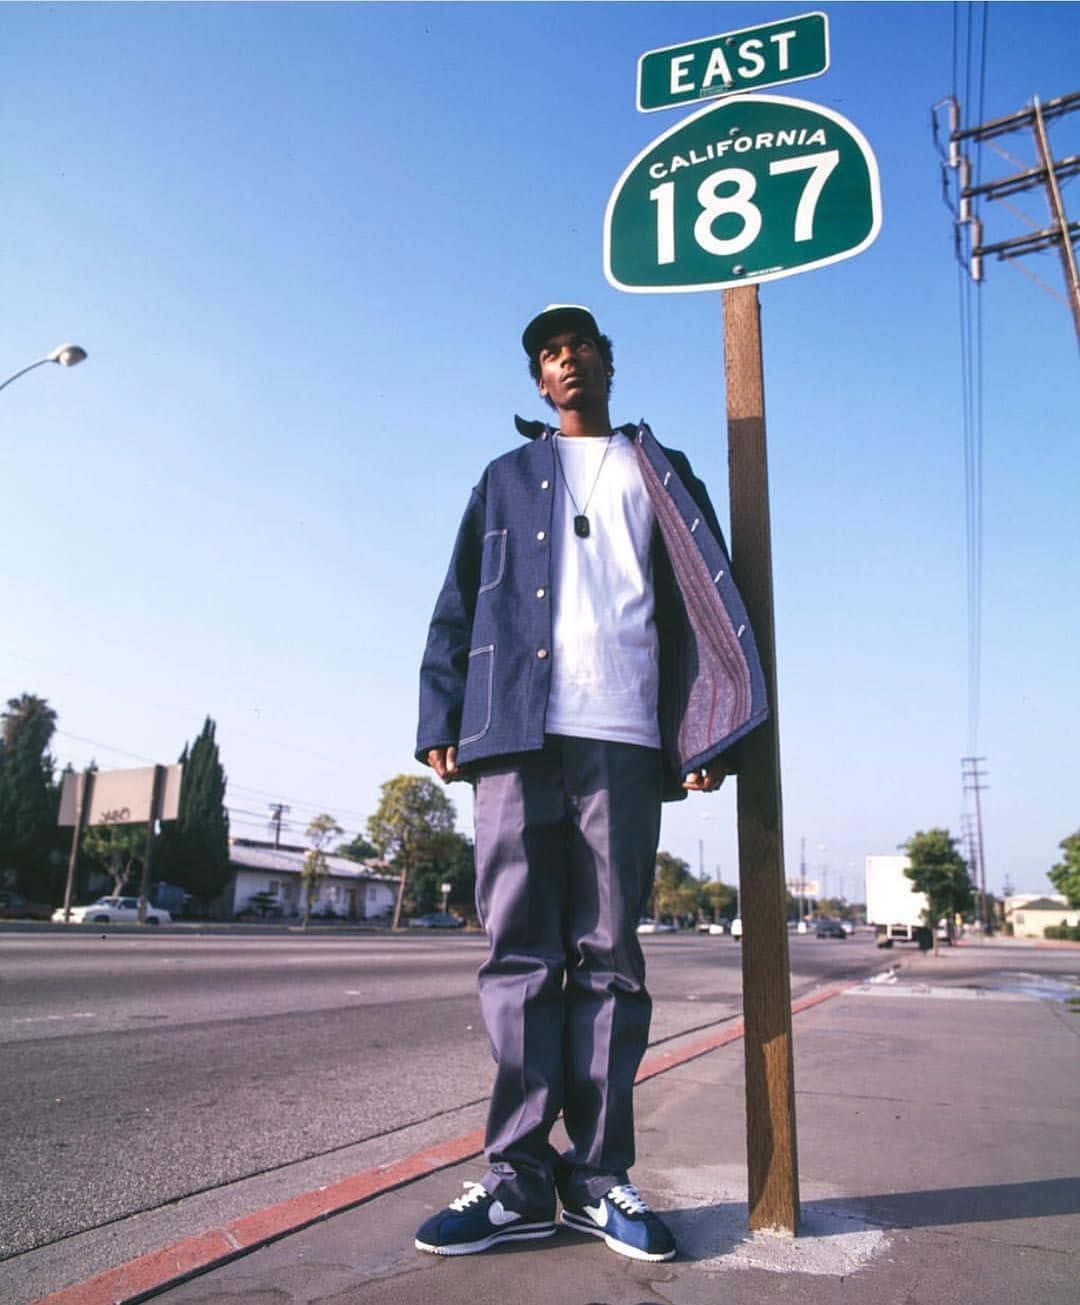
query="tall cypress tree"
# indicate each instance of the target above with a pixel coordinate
(27, 795)
(194, 849)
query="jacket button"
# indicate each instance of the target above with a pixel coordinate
(544, 484)
(540, 593)
(541, 535)
(541, 653)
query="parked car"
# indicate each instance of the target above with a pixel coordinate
(830, 929)
(437, 920)
(113, 910)
(736, 928)
(655, 926)
(13, 906)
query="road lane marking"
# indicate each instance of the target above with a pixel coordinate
(46, 1019)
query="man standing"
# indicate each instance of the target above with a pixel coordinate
(588, 657)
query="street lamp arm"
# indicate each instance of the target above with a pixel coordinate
(16, 376)
(67, 355)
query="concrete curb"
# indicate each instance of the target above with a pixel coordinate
(144, 1277)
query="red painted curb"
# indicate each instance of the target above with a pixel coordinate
(198, 1254)
(171, 1265)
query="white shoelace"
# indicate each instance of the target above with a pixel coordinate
(474, 1192)
(627, 1197)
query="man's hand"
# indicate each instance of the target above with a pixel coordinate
(706, 779)
(443, 761)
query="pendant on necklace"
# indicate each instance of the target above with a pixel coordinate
(581, 526)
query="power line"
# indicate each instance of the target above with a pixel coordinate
(294, 801)
(107, 747)
(173, 708)
(230, 787)
(964, 193)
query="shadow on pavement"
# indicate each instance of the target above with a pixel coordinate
(989, 1204)
(726, 1221)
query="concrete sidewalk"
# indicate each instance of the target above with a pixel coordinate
(939, 1149)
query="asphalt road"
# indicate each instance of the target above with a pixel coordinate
(142, 1067)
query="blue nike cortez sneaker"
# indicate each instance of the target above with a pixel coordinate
(478, 1220)
(625, 1222)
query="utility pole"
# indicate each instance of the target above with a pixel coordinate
(1057, 212)
(967, 826)
(278, 809)
(972, 774)
(1048, 173)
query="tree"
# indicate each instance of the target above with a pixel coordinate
(264, 903)
(319, 832)
(411, 812)
(358, 850)
(195, 847)
(720, 899)
(447, 858)
(28, 799)
(119, 849)
(675, 892)
(938, 870)
(1065, 876)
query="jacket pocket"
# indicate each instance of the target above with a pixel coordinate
(479, 694)
(493, 560)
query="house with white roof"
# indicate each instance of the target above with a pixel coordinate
(352, 890)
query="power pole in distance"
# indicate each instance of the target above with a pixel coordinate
(278, 810)
(972, 774)
(1048, 173)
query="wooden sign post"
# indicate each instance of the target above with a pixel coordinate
(752, 188)
(773, 1178)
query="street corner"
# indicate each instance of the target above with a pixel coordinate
(706, 1209)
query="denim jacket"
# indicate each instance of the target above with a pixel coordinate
(486, 669)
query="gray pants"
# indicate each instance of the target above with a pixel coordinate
(565, 857)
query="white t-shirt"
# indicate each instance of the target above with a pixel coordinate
(605, 658)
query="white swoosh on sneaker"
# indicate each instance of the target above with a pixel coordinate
(499, 1214)
(597, 1213)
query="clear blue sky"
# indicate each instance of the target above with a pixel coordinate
(299, 244)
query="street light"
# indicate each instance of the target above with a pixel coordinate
(67, 355)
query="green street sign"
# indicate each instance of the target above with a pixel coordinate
(752, 189)
(744, 60)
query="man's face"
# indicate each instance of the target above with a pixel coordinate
(572, 372)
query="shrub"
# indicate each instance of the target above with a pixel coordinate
(1062, 932)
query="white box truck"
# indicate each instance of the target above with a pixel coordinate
(893, 906)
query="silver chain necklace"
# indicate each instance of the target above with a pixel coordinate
(581, 521)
